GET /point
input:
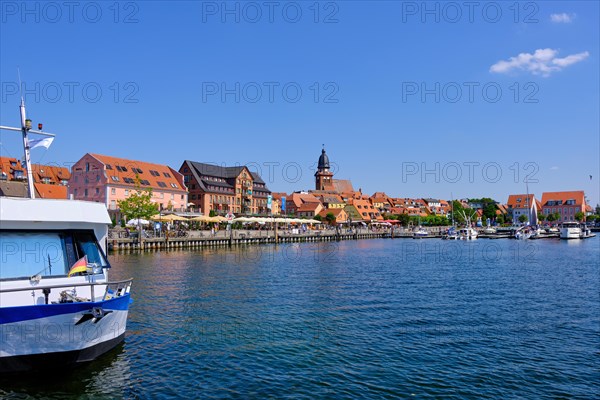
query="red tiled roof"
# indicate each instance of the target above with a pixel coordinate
(525, 199)
(308, 207)
(577, 195)
(48, 191)
(158, 176)
(54, 174)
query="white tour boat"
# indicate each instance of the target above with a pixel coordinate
(57, 306)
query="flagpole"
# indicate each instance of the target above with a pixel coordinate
(25, 129)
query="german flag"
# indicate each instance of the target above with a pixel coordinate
(79, 266)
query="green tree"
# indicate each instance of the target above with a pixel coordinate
(541, 217)
(139, 204)
(318, 217)
(597, 209)
(592, 218)
(404, 219)
(500, 219)
(579, 216)
(522, 218)
(212, 213)
(551, 217)
(330, 218)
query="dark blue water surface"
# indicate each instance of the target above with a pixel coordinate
(357, 319)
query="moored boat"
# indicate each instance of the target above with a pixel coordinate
(570, 230)
(57, 306)
(419, 232)
(467, 233)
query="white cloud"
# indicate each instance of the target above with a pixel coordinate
(562, 18)
(555, 168)
(541, 62)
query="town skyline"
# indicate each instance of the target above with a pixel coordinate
(411, 115)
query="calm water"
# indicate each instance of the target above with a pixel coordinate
(356, 319)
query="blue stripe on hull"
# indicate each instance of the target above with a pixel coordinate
(25, 313)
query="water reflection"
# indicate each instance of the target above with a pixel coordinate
(108, 376)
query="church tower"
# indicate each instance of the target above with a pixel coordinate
(323, 176)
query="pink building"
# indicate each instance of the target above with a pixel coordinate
(107, 180)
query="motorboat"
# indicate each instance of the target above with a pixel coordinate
(488, 230)
(570, 230)
(586, 232)
(419, 232)
(467, 233)
(452, 234)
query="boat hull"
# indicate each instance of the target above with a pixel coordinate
(53, 335)
(570, 233)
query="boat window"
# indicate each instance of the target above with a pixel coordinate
(85, 244)
(28, 254)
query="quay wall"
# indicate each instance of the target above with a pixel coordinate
(195, 242)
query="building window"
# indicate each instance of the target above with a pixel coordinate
(172, 197)
(126, 192)
(113, 191)
(97, 191)
(87, 167)
(113, 205)
(85, 193)
(115, 178)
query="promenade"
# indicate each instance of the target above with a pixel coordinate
(203, 239)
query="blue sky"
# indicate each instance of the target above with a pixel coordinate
(414, 99)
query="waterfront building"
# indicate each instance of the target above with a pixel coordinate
(296, 203)
(309, 210)
(106, 179)
(366, 209)
(436, 206)
(523, 204)
(330, 200)
(566, 204)
(381, 202)
(341, 216)
(50, 181)
(225, 189)
(352, 212)
(278, 207)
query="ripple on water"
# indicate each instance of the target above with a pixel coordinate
(367, 319)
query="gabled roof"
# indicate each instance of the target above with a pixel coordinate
(342, 185)
(520, 200)
(334, 211)
(312, 207)
(47, 191)
(53, 173)
(160, 173)
(577, 195)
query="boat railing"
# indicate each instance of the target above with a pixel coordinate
(112, 289)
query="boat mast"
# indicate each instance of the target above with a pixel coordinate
(25, 130)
